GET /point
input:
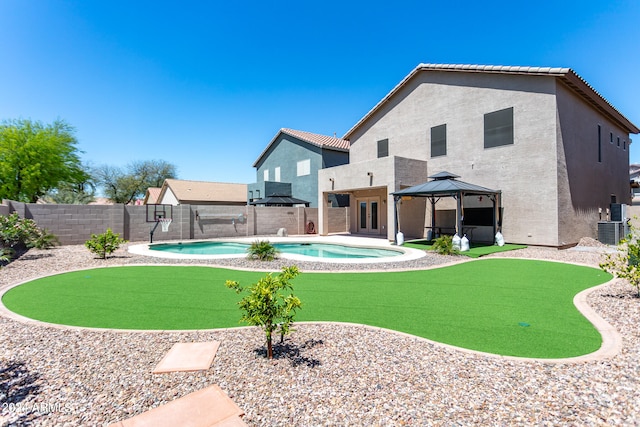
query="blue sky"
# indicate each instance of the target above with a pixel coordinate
(206, 85)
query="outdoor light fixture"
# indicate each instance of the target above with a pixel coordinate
(369, 173)
(331, 179)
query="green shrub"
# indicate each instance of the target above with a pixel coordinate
(262, 250)
(18, 234)
(444, 245)
(104, 244)
(625, 262)
(44, 239)
(266, 307)
(6, 254)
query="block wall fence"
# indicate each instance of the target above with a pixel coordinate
(74, 224)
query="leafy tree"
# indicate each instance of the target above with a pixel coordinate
(625, 263)
(80, 193)
(126, 185)
(35, 158)
(267, 307)
(104, 244)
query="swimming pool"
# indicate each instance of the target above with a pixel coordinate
(330, 249)
(316, 250)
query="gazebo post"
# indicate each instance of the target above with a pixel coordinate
(458, 197)
(396, 199)
(495, 213)
(433, 217)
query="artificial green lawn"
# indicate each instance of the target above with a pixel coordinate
(475, 251)
(503, 306)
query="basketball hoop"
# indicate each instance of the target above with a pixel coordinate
(165, 222)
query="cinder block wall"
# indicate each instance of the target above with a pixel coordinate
(74, 224)
(338, 220)
(207, 221)
(268, 220)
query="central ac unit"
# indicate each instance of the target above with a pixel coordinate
(611, 232)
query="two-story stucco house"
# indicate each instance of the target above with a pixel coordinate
(553, 146)
(289, 166)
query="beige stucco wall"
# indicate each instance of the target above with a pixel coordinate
(525, 172)
(584, 184)
(169, 198)
(550, 179)
(387, 176)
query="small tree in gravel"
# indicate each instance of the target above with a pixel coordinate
(104, 244)
(625, 262)
(266, 305)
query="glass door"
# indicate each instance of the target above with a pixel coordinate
(368, 215)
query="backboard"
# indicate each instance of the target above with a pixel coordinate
(157, 212)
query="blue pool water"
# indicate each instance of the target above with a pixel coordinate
(317, 250)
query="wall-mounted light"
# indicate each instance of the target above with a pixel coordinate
(369, 173)
(331, 179)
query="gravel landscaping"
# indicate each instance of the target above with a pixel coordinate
(323, 375)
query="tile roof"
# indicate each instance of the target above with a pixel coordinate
(152, 195)
(322, 141)
(319, 140)
(566, 75)
(205, 191)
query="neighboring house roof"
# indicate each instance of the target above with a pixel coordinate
(279, 200)
(566, 75)
(101, 201)
(204, 191)
(322, 141)
(151, 196)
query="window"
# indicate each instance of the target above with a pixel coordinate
(439, 141)
(266, 174)
(277, 174)
(611, 137)
(498, 128)
(304, 167)
(624, 145)
(383, 148)
(599, 144)
(618, 141)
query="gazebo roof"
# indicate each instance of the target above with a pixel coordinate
(276, 199)
(444, 184)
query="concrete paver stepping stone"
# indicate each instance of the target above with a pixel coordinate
(194, 356)
(203, 408)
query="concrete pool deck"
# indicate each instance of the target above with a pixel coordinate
(407, 254)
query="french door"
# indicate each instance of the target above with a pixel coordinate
(369, 215)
